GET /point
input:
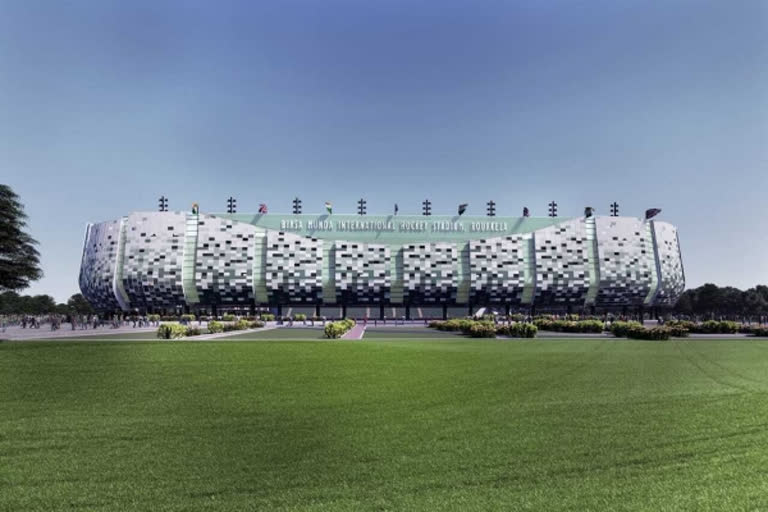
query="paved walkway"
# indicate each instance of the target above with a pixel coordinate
(45, 332)
(355, 333)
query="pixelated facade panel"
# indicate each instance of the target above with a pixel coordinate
(562, 264)
(97, 270)
(625, 264)
(224, 260)
(362, 272)
(152, 263)
(430, 272)
(672, 276)
(497, 270)
(293, 268)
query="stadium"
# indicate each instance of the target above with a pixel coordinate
(390, 266)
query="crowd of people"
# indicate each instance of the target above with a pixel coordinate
(55, 322)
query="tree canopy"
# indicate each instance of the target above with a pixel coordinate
(19, 258)
(11, 303)
(710, 299)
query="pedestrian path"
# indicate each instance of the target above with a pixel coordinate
(230, 333)
(45, 332)
(355, 333)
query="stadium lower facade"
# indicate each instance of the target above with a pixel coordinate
(174, 261)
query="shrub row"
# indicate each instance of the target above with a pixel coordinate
(518, 330)
(653, 333)
(708, 327)
(241, 325)
(334, 330)
(176, 331)
(636, 331)
(621, 329)
(548, 324)
(454, 324)
(485, 329)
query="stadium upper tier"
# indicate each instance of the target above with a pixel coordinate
(163, 260)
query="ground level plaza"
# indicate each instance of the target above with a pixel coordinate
(389, 266)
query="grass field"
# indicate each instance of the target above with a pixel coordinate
(292, 333)
(452, 424)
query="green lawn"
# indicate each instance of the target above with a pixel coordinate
(456, 424)
(407, 333)
(287, 333)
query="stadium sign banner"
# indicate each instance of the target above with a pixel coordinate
(400, 227)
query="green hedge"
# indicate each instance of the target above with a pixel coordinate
(583, 326)
(215, 327)
(485, 329)
(708, 327)
(653, 333)
(621, 329)
(518, 330)
(334, 330)
(482, 329)
(171, 331)
(761, 331)
(268, 317)
(299, 317)
(187, 318)
(455, 325)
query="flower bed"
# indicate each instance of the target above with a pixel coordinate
(335, 330)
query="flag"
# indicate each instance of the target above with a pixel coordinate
(588, 211)
(195, 209)
(262, 208)
(652, 212)
(526, 212)
(463, 208)
(329, 207)
(396, 209)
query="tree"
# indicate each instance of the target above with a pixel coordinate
(79, 305)
(708, 299)
(755, 303)
(19, 259)
(685, 303)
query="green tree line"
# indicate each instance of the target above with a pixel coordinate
(11, 303)
(710, 300)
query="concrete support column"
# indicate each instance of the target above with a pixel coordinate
(445, 311)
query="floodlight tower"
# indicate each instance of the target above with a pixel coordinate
(553, 209)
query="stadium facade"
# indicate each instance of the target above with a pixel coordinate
(173, 261)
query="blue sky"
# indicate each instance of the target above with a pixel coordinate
(106, 105)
